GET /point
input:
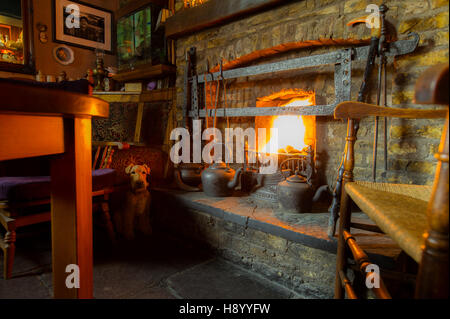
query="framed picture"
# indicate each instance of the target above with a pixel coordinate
(82, 25)
(16, 36)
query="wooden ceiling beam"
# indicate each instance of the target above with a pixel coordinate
(213, 13)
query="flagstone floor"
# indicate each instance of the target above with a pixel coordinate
(157, 267)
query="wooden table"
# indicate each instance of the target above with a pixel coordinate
(38, 121)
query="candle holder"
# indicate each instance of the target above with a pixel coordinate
(99, 72)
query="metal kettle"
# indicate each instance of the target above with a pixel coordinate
(295, 194)
(188, 176)
(219, 180)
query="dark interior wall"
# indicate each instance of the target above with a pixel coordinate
(84, 59)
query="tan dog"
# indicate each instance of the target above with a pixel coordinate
(136, 213)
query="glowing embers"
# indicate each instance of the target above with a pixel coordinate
(295, 133)
(193, 3)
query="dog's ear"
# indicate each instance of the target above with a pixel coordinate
(129, 168)
(147, 169)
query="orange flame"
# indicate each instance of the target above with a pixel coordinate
(291, 130)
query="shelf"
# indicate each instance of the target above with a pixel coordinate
(148, 72)
(161, 95)
(118, 97)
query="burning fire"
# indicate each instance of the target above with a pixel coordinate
(291, 130)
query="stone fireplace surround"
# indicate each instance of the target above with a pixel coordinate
(411, 144)
(294, 249)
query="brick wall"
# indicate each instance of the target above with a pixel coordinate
(411, 143)
(307, 270)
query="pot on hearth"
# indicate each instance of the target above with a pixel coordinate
(188, 176)
(295, 194)
(219, 180)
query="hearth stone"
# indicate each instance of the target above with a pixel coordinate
(291, 249)
(265, 192)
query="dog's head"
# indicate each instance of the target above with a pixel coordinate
(138, 176)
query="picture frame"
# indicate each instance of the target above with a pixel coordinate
(28, 65)
(93, 30)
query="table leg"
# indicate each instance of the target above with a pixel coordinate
(71, 184)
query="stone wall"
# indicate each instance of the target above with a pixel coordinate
(411, 143)
(309, 271)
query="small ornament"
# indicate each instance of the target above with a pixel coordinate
(99, 72)
(63, 54)
(43, 38)
(40, 77)
(62, 76)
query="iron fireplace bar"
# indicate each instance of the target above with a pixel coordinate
(342, 60)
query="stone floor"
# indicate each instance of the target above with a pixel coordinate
(159, 267)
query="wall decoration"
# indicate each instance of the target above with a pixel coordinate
(63, 54)
(82, 25)
(16, 36)
(139, 42)
(42, 28)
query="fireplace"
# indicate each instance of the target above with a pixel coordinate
(295, 144)
(306, 28)
(266, 96)
(300, 59)
(295, 132)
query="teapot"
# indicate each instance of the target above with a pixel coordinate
(295, 194)
(219, 180)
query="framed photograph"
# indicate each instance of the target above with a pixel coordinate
(82, 25)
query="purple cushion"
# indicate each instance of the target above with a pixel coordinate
(15, 189)
(102, 178)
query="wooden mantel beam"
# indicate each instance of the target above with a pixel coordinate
(213, 13)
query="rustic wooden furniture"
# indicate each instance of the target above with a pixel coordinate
(145, 72)
(40, 121)
(415, 217)
(19, 213)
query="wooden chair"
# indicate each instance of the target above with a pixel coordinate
(22, 212)
(415, 217)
